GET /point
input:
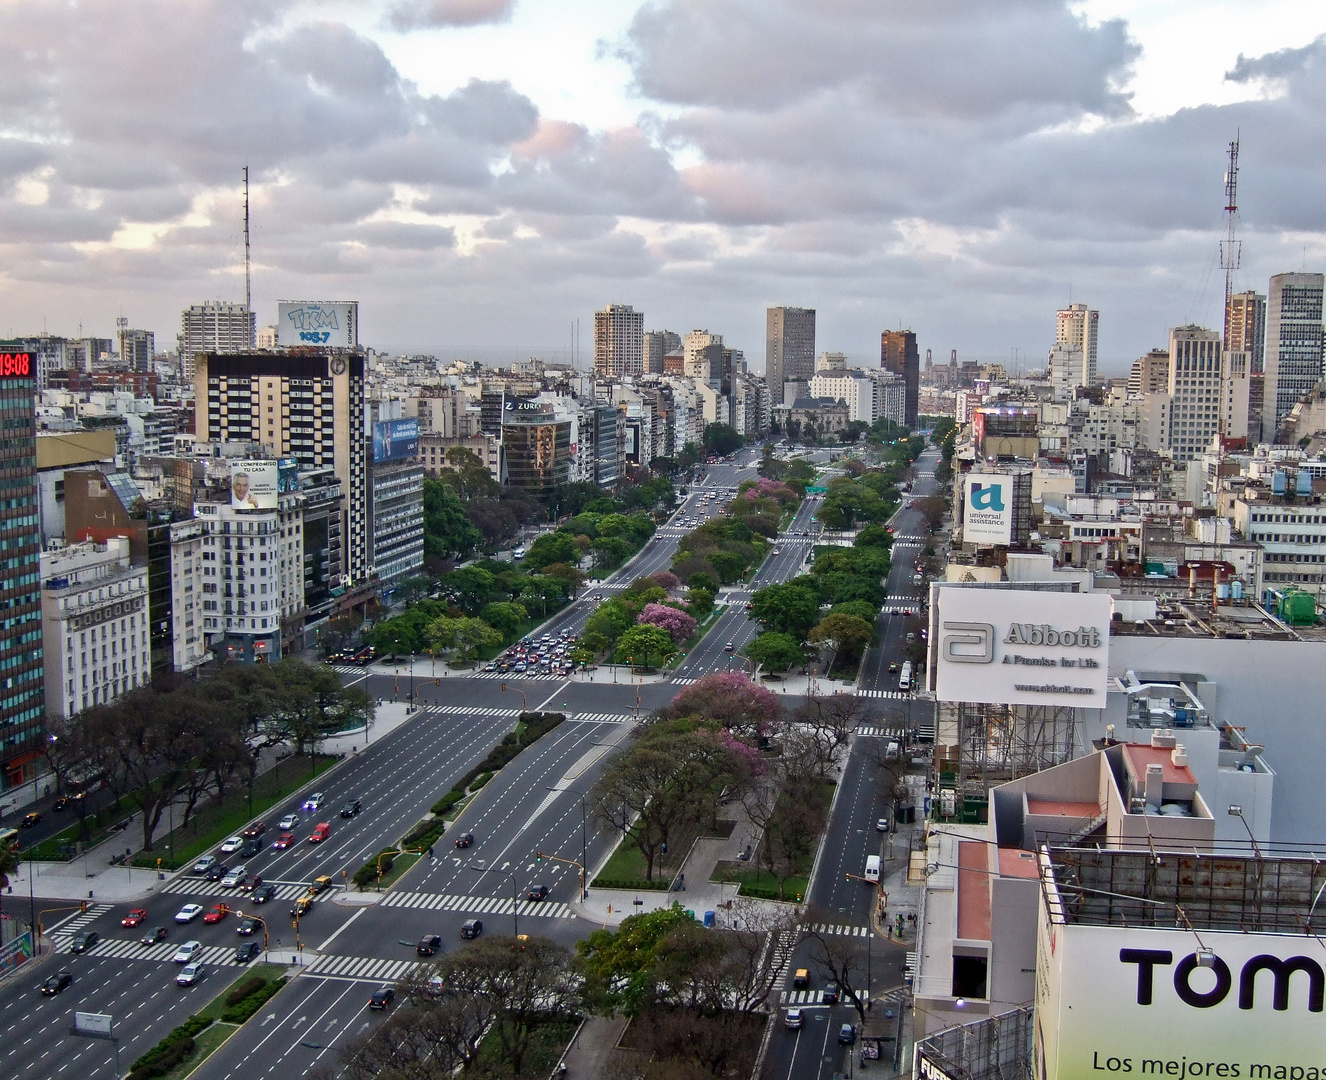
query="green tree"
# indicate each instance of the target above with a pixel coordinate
(643, 642)
(447, 531)
(791, 608)
(462, 637)
(471, 586)
(722, 439)
(505, 618)
(775, 652)
(617, 965)
(555, 547)
(699, 602)
(848, 634)
(860, 608)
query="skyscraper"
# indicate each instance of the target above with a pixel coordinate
(216, 326)
(1245, 328)
(1293, 345)
(22, 692)
(657, 344)
(619, 332)
(1194, 408)
(789, 348)
(137, 349)
(1076, 328)
(898, 354)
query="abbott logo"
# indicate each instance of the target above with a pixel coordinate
(989, 497)
(969, 642)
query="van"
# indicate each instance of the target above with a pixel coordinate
(905, 678)
(872, 868)
(518, 553)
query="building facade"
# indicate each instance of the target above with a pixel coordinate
(619, 332)
(789, 348)
(216, 326)
(656, 345)
(898, 353)
(1293, 345)
(1077, 327)
(538, 446)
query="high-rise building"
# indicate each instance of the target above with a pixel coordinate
(898, 354)
(308, 407)
(1194, 409)
(789, 348)
(657, 344)
(137, 349)
(396, 499)
(538, 445)
(704, 355)
(619, 341)
(1245, 328)
(1150, 374)
(22, 696)
(1293, 359)
(1077, 327)
(216, 326)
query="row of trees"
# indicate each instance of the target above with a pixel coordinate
(164, 745)
(645, 624)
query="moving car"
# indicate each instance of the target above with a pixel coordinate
(471, 928)
(189, 975)
(188, 913)
(465, 840)
(537, 893)
(315, 801)
(882, 825)
(846, 1035)
(320, 833)
(255, 830)
(428, 945)
(350, 809)
(218, 912)
(262, 894)
(381, 998)
(84, 941)
(153, 936)
(217, 872)
(233, 844)
(251, 848)
(250, 882)
(247, 951)
(234, 877)
(56, 983)
(204, 864)
(284, 841)
(288, 822)
(247, 926)
(319, 885)
(135, 918)
(729, 647)
(186, 952)
(30, 819)
(801, 979)
(301, 906)
(792, 1019)
(831, 994)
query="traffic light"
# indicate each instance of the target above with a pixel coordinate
(538, 857)
(83, 906)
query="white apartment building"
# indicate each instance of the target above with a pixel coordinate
(1068, 370)
(94, 625)
(703, 354)
(1077, 327)
(1188, 417)
(619, 341)
(849, 385)
(186, 593)
(1293, 539)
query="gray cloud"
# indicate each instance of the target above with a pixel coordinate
(1277, 65)
(417, 14)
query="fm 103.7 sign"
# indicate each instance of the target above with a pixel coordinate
(1020, 647)
(1117, 1003)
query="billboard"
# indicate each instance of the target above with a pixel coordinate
(97, 1025)
(1020, 646)
(395, 440)
(17, 365)
(254, 485)
(1135, 1003)
(287, 476)
(333, 323)
(987, 513)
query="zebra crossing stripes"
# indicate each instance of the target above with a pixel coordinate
(198, 887)
(368, 969)
(69, 928)
(879, 732)
(891, 695)
(508, 676)
(478, 905)
(473, 710)
(803, 997)
(120, 949)
(839, 929)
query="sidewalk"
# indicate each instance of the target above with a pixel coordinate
(590, 1052)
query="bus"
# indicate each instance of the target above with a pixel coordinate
(8, 839)
(905, 679)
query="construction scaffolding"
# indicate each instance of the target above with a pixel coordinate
(999, 1048)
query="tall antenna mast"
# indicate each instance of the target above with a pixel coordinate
(248, 299)
(1231, 250)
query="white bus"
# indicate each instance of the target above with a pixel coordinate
(905, 679)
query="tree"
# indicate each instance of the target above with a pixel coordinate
(505, 618)
(730, 699)
(645, 642)
(722, 439)
(555, 547)
(775, 652)
(618, 966)
(463, 637)
(573, 576)
(677, 623)
(471, 587)
(791, 608)
(447, 531)
(699, 602)
(932, 508)
(848, 634)
(839, 960)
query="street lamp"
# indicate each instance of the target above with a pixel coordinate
(265, 940)
(584, 842)
(515, 922)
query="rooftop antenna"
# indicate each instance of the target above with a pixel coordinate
(248, 299)
(1231, 249)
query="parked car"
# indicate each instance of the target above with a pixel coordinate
(84, 941)
(153, 936)
(381, 998)
(471, 928)
(135, 917)
(190, 974)
(846, 1035)
(246, 952)
(320, 833)
(882, 825)
(188, 913)
(186, 952)
(56, 983)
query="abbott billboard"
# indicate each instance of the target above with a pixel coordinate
(987, 513)
(1020, 647)
(333, 323)
(1136, 1003)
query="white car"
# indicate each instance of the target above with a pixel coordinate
(882, 825)
(315, 801)
(188, 913)
(233, 844)
(234, 877)
(190, 975)
(288, 822)
(186, 952)
(204, 864)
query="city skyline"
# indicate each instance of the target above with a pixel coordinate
(438, 199)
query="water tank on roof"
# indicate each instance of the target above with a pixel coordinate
(1304, 484)
(1279, 482)
(1236, 589)
(1222, 591)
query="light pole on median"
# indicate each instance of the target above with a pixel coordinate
(584, 843)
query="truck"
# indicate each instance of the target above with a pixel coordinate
(905, 678)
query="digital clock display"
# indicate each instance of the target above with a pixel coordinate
(16, 365)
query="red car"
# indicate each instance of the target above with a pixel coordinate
(135, 918)
(320, 833)
(216, 914)
(284, 841)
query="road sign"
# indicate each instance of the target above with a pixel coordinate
(95, 1025)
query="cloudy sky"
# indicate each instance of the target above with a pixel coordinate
(480, 174)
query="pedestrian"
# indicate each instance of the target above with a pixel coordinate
(430, 851)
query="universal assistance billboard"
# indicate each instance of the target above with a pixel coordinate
(987, 513)
(254, 485)
(1020, 646)
(1129, 1003)
(333, 323)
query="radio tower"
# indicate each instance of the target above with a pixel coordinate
(1231, 250)
(248, 300)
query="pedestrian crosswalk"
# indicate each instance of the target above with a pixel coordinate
(62, 935)
(783, 947)
(286, 890)
(363, 968)
(838, 929)
(511, 714)
(803, 997)
(478, 905)
(890, 695)
(901, 607)
(872, 731)
(121, 949)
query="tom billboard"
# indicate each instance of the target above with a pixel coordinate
(332, 323)
(1020, 646)
(987, 514)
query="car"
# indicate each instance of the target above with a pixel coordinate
(729, 647)
(301, 906)
(893, 668)
(792, 1019)
(801, 979)
(464, 840)
(186, 952)
(319, 885)
(315, 801)
(56, 983)
(249, 950)
(382, 997)
(30, 819)
(189, 975)
(251, 848)
(846, 1035)
(188, 913)
(247, 926)
(233, 877)
(84, 941)
(537, 893)
(217, 872)
(284, 841)
(471, 928)
(350, 809)
(204, 864)
(831, 994)
(262, 894)
(218, 912)
(153, 936)
(882, 825)
(428, 945)
(320, 832)
(288, 822)
(250, 882)
(136, 917)
(255, 830)
(233, 844)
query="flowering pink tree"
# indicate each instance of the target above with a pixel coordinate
(677, 623)
(731, 699)
(665, 579)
